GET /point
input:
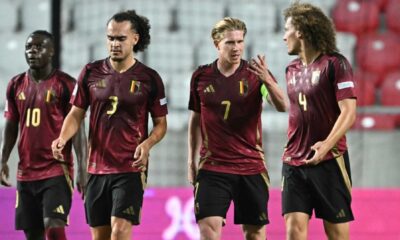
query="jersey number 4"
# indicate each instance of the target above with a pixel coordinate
(303, 101)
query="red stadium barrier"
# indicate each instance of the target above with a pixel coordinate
(356, 17)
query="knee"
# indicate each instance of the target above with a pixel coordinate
(252, 232)
(296, 231)
(337, 231)
(209, 232)
(121, 228)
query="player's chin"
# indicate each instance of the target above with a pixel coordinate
(116, 58)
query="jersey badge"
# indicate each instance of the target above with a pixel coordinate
(135, 86)
(50, 95)
(243, 87)
(315, 77)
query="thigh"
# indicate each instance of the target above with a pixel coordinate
(332, 194)
(212, 194)
(98, 201)
(57, 198)
(296, 192)
(251, 199)
(28, 207)
(127, 196)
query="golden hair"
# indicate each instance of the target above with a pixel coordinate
(227, 24)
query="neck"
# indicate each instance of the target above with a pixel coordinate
(122, 66)
(308, 55)
(226, 68)
(40, 73)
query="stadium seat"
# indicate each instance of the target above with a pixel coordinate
(392, 15)
(375, 121)
(157, 11)
(179, 91)
(91, 16)
(170, 53)
(365, 87)
(378, 53)
(8, 13)
(259, 16)
(12, 60)
(382, 4)
(356, 17)
(36, 15)
(197, 18)
(390, 91)
(346, 43)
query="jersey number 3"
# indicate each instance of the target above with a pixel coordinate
(114, 104)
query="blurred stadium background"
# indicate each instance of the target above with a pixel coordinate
(368, 35)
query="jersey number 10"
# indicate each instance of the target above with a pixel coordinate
(32, 117)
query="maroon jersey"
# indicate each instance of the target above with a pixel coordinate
(40, 109)
(120, 104)
(314, 92)
(230, 110)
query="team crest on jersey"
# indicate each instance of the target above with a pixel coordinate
(135, 86)
(315, 77)
(209, 89)
(243, 87)
(50, 95)
(21, 96)
(101, 84)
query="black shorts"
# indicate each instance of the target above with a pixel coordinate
(118, 195)
(36, 200)
(214, 192)
(324, 188)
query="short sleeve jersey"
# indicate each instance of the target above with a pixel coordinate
(314, 92)
(120, 104)
(230, 117)
(40, 109)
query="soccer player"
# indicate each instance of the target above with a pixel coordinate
(316, 169)
(121, 92)
(37, 103)
(225, 128)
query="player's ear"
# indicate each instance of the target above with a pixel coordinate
(299, 34)
(216, 44)
(136, 38)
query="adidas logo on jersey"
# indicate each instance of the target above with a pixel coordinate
(21, 96)
(209, 89)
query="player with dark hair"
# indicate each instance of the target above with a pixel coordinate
(225, 128)
(320, 85)
(121, 92)
(37, 103)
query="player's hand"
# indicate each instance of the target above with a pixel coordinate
(319, 150)
(81, 181)
(259, 67)
(4, 172)
(141, 156)
(57, 146)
